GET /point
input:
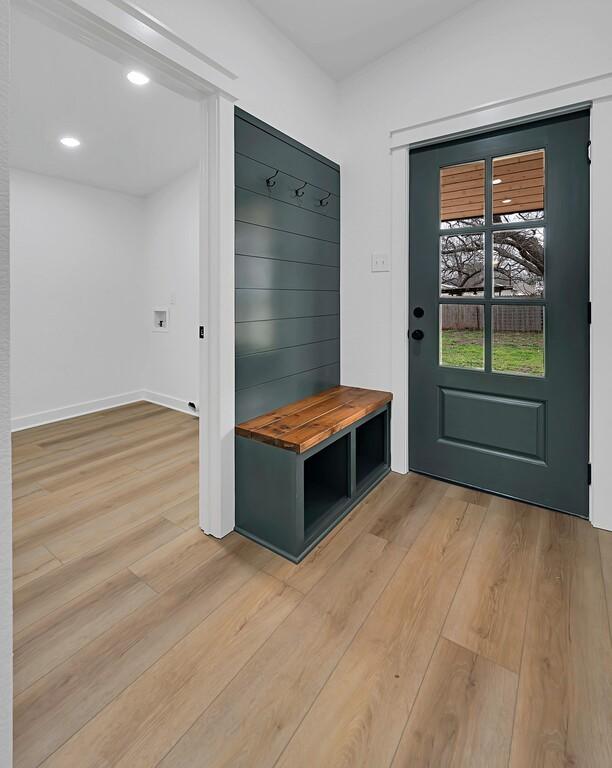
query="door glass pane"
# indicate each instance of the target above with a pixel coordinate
(462, 335)
(462, 195)
(518, 339)
(518, 187)
(518, 262)
(462, 265)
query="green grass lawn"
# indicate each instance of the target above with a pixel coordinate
(512, 352)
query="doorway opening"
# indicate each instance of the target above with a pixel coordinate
(105, 250)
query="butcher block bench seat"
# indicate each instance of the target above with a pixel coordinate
(302, 467)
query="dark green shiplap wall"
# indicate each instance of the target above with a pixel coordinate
(287, 270)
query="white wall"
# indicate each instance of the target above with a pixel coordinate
(88, 267)
(77, 259)
(460, 64)
(171, 273)
(276, 81)
(6, 573)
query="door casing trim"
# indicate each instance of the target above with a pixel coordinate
(536, 105)
(594, 92)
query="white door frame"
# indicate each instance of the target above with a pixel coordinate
(595, 92)
(127, 34)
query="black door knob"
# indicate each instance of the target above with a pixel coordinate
(418, 334)
(418, 312)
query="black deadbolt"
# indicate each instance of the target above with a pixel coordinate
(418, 312)
(418, 334)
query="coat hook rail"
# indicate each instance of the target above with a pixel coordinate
(324, 201)
(299, 192)
(270, 181)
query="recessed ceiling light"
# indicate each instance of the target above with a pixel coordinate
(70, 141)
(497, 181)
(138, 78)
(507, 200)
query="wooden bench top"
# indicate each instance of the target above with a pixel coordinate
(308, 422)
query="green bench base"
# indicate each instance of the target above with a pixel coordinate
(288, 502)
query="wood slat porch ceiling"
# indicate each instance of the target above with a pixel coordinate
(522, 182)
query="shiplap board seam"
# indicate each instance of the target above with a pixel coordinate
(303, 290)
(269, 196)
(287, 232)
(276, 319)
(288, 346)
(296, 376)
(285, 173)
(287, 261)
(288, 376)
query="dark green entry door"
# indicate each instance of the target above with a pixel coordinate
(499, 336)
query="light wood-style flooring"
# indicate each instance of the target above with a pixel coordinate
(436, 626)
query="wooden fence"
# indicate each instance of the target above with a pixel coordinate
(523, 319)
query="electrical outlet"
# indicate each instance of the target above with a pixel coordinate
(380, 262)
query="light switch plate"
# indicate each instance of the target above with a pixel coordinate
(380, 262)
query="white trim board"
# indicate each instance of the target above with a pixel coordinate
(217, 300)
(6, 515)
(71, 411)
(597, 93)
(164, 30)
(19, 423)
(127, 34)
(497, 113)
(168, 401)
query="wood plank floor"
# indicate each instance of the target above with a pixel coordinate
(435, 626)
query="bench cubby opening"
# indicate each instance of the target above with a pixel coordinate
(371, 449)
(326, 485)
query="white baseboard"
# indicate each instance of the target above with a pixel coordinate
(70, 411)
(167, 401)
(92, 406)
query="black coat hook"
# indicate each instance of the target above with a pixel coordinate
(299, 192)
(270, 181)
(324, 201)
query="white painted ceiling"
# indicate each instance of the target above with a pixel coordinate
(342, 36)
(134, 140)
